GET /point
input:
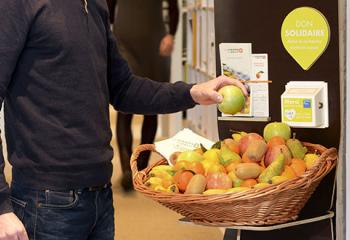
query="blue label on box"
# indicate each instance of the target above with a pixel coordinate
(307, 103)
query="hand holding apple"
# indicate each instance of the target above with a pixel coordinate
(207, 93)
(233, 100)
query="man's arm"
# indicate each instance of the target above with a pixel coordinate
(133, 94)
(13, 32)
(14, 19)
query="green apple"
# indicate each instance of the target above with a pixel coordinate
(277, 129)
(233, 100)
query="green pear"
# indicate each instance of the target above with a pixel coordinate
(235, 180)
(296, 148)
(274, 169)
(227, 156)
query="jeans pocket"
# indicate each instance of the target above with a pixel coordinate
(18, 207)
(59, 200)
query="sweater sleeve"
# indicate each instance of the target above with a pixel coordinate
(132, 94)
(173, 16)
(13, 28)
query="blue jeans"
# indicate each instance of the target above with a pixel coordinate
(85, 214)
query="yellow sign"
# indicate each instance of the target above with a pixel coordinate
(305, 35)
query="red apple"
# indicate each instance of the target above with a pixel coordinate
(246, 140)
(273, 152)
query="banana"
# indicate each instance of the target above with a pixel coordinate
(261, 185)
(160, 174)
(173, 189)
(160, 188)
(237, 189)
(163, 167)
(214, 191)
(159, 170)
(153, 182)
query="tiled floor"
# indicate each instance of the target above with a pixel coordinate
(138, 217)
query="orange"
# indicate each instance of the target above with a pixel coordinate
(248, 183)
(299, 166)
(289, 172)
(182, 178)
(196, 167)
(181, 165)
(275, 141)
(231, 167)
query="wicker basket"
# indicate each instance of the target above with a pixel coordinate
(277, 203)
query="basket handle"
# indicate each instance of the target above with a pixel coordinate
(135, 155)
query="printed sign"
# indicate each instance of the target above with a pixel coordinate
(305, 35)
(297, 110)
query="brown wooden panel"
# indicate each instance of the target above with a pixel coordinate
(259, 22)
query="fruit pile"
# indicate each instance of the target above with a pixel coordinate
(245, 161)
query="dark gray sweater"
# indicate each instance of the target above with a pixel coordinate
(59, 71)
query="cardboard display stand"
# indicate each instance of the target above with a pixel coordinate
(259, 22)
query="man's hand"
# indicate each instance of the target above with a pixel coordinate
(206, 93)
(166, 45)
(11, 228)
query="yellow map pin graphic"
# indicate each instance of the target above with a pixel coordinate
(305, 35)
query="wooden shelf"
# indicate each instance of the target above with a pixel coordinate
(245, 119)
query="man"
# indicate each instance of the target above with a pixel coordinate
(59, 71)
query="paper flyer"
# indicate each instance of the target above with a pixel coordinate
(184, 140)
(260, 91)
(236, 63)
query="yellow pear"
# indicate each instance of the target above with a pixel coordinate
(310, 160)
(212, 155)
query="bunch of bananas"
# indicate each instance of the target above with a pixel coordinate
(161, 179)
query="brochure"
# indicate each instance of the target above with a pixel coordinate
(260, 91)
(184, 140)
(236, 63)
